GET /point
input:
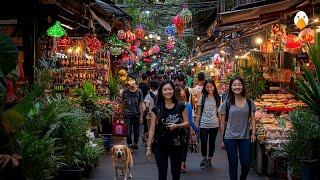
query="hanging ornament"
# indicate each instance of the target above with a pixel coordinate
(133, 48)
(124, 56)
(292, 42)
(114, 41)
(177, 21)
(267, 47)
(116, 51)
(130, 36)
(147, 60)
(139, 32)
(56, 30)
(170, 45)
(121, 34)
(133, 58)
(139, 52)
(180, 29)
(301, 20)
(170, 30)
(137, 43)
(186, 15)
(307, 36)
(156, 49)
(92, 43)
(145, 54)
(64, 41)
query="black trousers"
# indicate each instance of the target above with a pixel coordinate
(206, 133)
(133, 126)
(162, 153)
(185, 148)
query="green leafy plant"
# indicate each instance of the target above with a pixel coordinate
(303, 138)
(309, 84)
(113, 86)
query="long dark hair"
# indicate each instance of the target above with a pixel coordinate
(215, 91)
(161, 101)
(231, 97)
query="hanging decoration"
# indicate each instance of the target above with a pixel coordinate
(155, 49)
(64, 41)
(56, 30)
(186, 15)
(170, 30)
(147, 60)
(133, 48)
(292, 42)
(114, 41)
(116, 51)
(170, 45)
(123, 75)
(301, 20)
(139, 32)
(178, 22)
(139, 53)
(92, 43)
(125, 56)
(145, 54)
(267, 47)
(133, 58)
(307, 36)
(130, 36)
(121, 34)
(278, 35)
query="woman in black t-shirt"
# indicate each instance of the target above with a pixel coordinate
(168, 119)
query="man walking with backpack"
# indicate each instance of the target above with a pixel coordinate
(151, 99)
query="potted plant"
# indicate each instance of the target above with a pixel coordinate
(114, 88)
(302, 146)
(309, 93)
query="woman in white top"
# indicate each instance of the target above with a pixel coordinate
(207, 119)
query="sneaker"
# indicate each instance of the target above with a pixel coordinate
(203, 164)
(209, 163)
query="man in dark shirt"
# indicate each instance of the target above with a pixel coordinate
(144, 85)
(132, 99)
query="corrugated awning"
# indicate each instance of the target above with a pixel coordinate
(108, 9)
(269, 11)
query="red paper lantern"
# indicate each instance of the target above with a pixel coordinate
(139, 32)
(177, 20)
(124, 56)
(130, 37)
(145, 54)
(147, 60)
(292, 42)
(92, 42)
(307, 36)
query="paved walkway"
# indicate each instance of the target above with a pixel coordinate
(144, 170)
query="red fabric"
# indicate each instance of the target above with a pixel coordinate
(11, 92)
(119, 128)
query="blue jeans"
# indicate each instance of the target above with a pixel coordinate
(232, 146)
(133, 126)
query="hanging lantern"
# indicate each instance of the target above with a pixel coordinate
(145, 54)
(139, 52)
(56, 30)
(307, 36)
(114, 41)
(139, 32)
(186, 15)
(133, 48)
(64, 41)
(301, 20)
(292, 42)
(267, 47)
(169, 45)
(177, 20)
(134, 58)
(147, 60)
(121, 34)
(180, 29)
(124, 56)
(170, 30)
(92, 42)
(156, 49)
(130, 36)
(116, 51)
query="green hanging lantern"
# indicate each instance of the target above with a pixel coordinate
(186, 15)
(56, 30)
(113, 40)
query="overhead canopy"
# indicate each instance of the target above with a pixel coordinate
(269, 11)
(109, 9)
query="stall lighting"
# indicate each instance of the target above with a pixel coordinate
(158, 38)
(222, 52)
(316, 20)
(236, 57)
(259, 40)
(146, 37)
(211, 66)
(144, 48)
(69, 50)
(67, 26)
(150, 36)
(78, 49)
(198, 38)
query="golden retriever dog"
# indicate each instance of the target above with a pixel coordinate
(122, 160)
